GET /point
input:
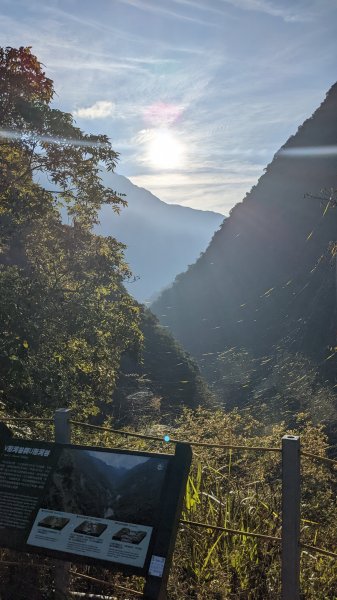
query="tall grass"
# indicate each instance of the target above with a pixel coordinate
(234, 489)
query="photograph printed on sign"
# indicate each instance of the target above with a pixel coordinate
(107, 485)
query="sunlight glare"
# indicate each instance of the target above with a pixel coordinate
(165, 151)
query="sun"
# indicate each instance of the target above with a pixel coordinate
(165, 151)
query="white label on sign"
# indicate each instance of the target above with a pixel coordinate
(103, 539)
(157, 566)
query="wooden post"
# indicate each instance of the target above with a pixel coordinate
(62, 429)
(291, 496)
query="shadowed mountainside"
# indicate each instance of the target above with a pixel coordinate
(266, 281)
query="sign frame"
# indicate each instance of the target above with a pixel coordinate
(159, 552)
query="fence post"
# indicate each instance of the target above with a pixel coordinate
(62, 431)
(291, 497)
(62, 425)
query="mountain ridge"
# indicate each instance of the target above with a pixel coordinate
(161, 239)
(271, 242)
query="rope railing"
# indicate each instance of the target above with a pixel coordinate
(260, 536)
(154, 438)
(325, 459)
(27, 419)
(319, 550)
(199, 443)
(252, 534)
(89, 596)
(106, 583)
(204, 526)
(174, 440)
(207, 527)
(17, 563)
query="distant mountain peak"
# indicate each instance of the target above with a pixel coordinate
(161, 239)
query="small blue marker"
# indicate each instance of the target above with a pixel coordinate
(166, 438)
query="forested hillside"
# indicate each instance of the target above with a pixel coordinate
(66, 318)
(264, 292)
(159, 381)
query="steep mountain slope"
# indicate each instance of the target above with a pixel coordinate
(266, 281)
(162, 239)
(161, 381)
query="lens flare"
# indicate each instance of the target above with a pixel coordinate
(309, 151)
(20, 135)
(162, 114)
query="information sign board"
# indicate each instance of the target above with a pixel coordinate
(86, 504)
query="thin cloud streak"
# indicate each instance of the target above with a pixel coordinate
(203, 7)
(287, 15)
(126, 36)
(84, 65)
(92, 24)
(158, 10)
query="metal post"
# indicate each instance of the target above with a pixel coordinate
(62, 425)
(291, 496)
(162, 550)
(62, 429)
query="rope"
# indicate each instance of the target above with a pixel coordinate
(232, 531)
(260, 536)
(196, 443)
(319, 550)
(12, 563)
(322, 458)
(92, 596)
(27, 419)
(174, 441)
(106, 583)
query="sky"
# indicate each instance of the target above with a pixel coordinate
(195, 95)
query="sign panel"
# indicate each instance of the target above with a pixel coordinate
(86, 504)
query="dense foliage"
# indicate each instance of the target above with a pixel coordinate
(65, 315)
(159, 383)
(236, 489)
(67, 321)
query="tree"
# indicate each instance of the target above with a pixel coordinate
(66, 316)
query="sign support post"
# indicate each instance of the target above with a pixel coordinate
(62, 429)
(159, 569)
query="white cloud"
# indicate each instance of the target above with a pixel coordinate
(99, 110)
